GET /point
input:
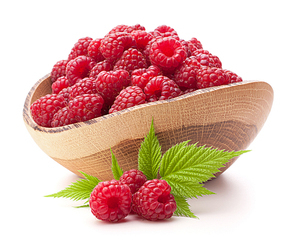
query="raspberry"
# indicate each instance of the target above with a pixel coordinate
(141, 77)
(110, 83)
(86, 106)
(83, 86)
(186, 47)
(142, 38)
(63, 117)
(110, 201)
(104, 65)
(234, 78)
(66, 93)
(114, 44)
(206, 58)
(126, 28)
(185, 75)
(130, 60)
(79, 68)
(60, 84)
(58, 70)
(93, 50)
(80, 48)
(165, 31)
(194, 44)
(161, 88)
(167, 53)
(43, 109)
(153, 201)
(134, 179)
(128, 97)
(211, 76)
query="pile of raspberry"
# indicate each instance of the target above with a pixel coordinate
(127, 67)
(113, 200)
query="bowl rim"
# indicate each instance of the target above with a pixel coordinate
(30, 122)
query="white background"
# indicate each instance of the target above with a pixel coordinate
(254, 205)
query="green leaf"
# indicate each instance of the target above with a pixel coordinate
(116, 170)
(185, 167)
(171, 157)
(78, 190)
(150, 155)
(188, 189)
(192, 163)
(183, 207)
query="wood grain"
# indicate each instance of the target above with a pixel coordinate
(226, 117)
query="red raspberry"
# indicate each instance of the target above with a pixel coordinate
(142, 38)
(86, 106)
(104, 65)
(126, 28)
(93, 50)
(43, 109)
(194, 44)
(154, 200)
(161, 88)
(130, 60)
(234, 78)
(185, 75)
(128, 97)
(80, 48)
(114, 44)
(211, 76)
(186, 47)
(110, 83)
(79, 68)
(63, 117)
(60, 84)
(66, 93)
(58, 70)
(165, 31)
(83, 86)
(141, 77)
(110, 201)
(206, 58)
(167, 53)
(134, 179)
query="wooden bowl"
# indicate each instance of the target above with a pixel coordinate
(226, 117)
